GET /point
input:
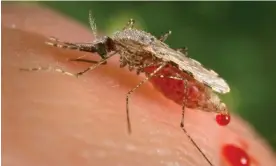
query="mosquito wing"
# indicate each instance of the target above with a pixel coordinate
(199, 72)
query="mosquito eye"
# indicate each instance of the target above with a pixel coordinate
(101, 49)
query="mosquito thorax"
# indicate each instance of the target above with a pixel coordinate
(134, 36)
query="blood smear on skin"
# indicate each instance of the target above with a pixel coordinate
(235, 156)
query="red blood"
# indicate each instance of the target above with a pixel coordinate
(235, 156)
(193, 92)
(174, 89)
(223, 119)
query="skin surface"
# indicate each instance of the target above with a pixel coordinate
(52, 119)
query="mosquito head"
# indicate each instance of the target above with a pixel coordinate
(103, 46)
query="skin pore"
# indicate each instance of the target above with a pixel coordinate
(52, 119)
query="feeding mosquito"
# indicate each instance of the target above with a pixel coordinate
(145, 53)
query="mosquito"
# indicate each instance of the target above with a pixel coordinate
(144, 53)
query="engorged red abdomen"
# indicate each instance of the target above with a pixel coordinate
(174, 89)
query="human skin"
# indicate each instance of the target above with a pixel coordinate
(52, 119)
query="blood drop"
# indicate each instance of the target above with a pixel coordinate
(223, 119)
(235, 156)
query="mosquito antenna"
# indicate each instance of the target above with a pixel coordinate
(92, 24)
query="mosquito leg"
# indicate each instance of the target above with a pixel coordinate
(183, 113)
(182, 122)
(54, 39)
(66, 72)
(165, 36)
(96, 65)
(130, 24)
(85, 60)
(81, 59)
(135, 88)
(76, 59)
(48, 69)
(63, 71)
(171, 77)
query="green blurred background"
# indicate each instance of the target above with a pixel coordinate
(236, 39)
